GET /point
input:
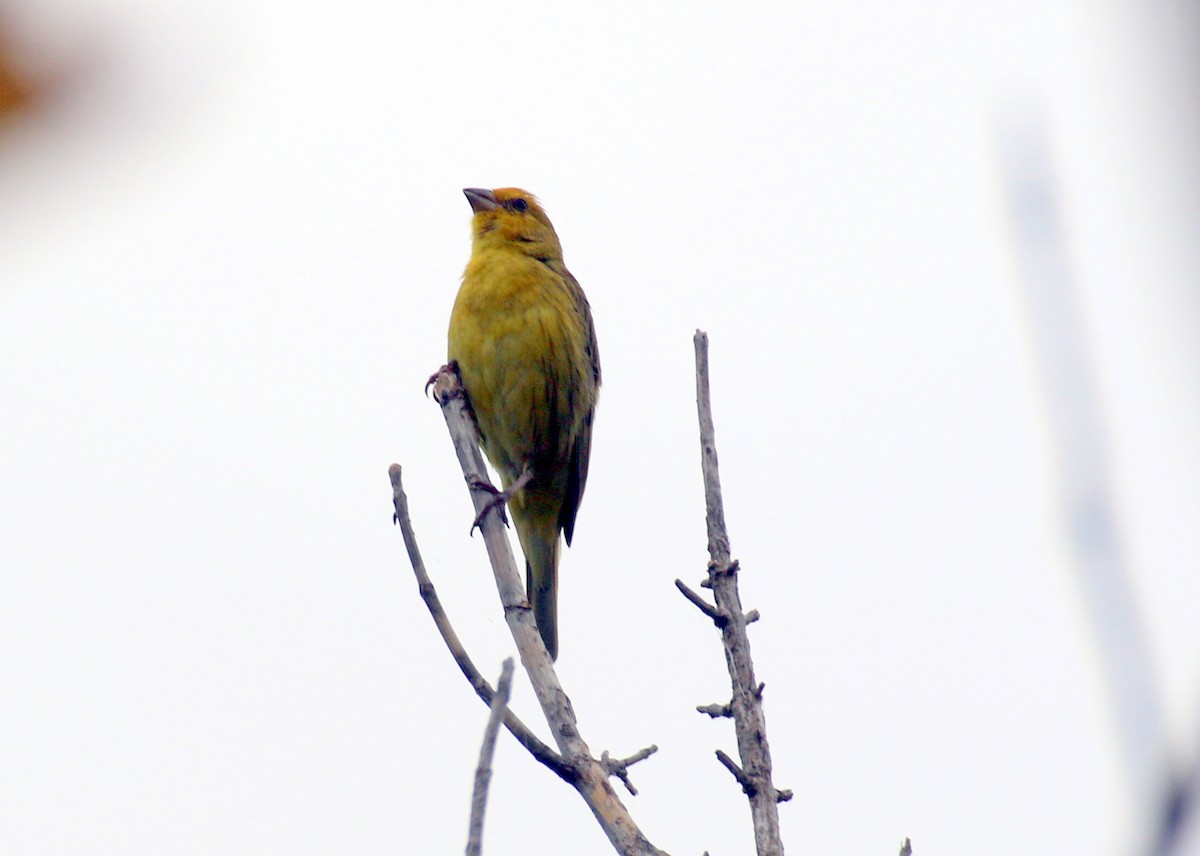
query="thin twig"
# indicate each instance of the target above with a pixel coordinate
(700, 603)
(483, 689)
(749, 721)
(588, 775)
(748, 786)
(483, 770)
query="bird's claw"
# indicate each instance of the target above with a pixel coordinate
(451, 367)
(499, 500)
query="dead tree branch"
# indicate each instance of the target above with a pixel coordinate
(754, 773)
(483, 770)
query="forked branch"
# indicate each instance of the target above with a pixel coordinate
(482, 688)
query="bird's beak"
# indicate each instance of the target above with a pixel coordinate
(481, 200)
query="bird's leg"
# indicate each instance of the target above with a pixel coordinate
(499, 498)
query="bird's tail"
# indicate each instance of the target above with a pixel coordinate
(541, 585)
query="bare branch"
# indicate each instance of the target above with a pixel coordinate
(482, 688)
(483, 770)
(748, 786)
(620, 768)
(749, 721)
(701, 604)
(588, 776)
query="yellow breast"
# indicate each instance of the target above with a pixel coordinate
(521, 342)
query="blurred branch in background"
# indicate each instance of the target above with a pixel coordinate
(1082, 457)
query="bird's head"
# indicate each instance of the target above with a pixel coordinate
(512, 216)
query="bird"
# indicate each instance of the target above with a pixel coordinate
(524, 343)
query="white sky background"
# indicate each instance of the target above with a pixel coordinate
(227, 261)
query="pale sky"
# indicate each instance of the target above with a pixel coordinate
(228, 252)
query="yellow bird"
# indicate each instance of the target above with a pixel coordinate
(521, 333)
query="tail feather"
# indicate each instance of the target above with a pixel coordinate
(542, 588)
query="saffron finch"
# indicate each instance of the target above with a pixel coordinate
(521, 333)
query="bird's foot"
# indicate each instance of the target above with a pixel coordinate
(499, 499)
(451, 367)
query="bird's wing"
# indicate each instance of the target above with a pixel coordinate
(581, 449)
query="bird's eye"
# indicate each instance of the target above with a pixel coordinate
(519, 205)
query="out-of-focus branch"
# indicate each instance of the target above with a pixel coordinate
(1077, 421)
(483, 770)
(750, 725)
(587, 774)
